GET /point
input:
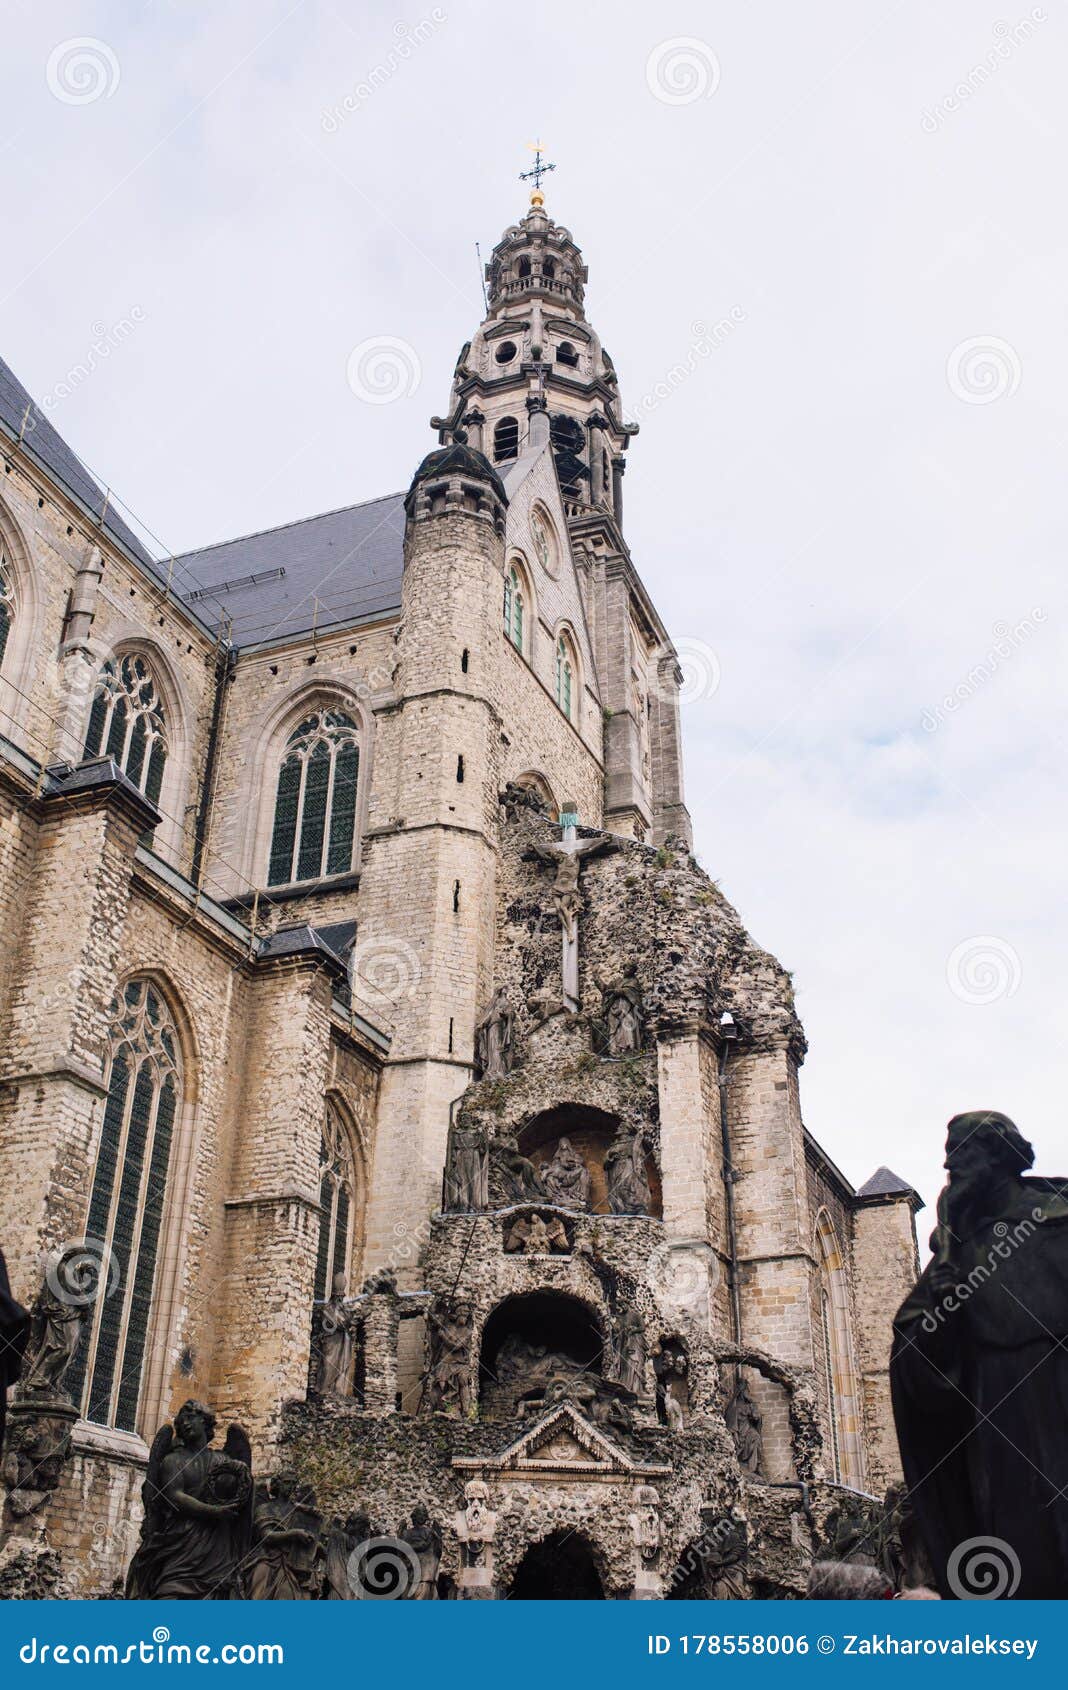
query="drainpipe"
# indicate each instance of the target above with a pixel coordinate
(224, 674)
(728, 1033)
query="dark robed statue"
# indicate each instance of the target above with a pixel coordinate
(14, 1331)
(198, 1508)
(979, 1371)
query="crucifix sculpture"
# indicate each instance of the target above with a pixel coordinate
(566, 857)
(537, 173)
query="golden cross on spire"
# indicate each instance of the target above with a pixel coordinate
(537, 198)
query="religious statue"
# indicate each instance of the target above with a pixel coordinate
(537, 1235)
(515, 1177)
(336, 1344)
(565, 857)
(476, 1524)
(63, 1305)
(14, 1331)
(494, 1037)
(423, 1537)
(745, 1424)
(515, 800)
(566, 1178)
(622, 1017)
(899, 1548)
(979, 1369)
(198, 1504)
(450, 1378)
(645, 1524)
(342, 1539)
(624, 1168)
(628, 1342)
(283, 1561)
(671, 1366)
(850, 1533)
(37, 1448)
(467, 1172)
(724, 1549)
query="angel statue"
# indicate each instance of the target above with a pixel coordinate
(198, 1512)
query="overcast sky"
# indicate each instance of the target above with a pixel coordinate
(847, 500)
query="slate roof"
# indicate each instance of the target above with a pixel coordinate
(339, 568)
(336, 569)
(885, 1183)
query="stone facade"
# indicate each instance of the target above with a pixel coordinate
(247, 1090)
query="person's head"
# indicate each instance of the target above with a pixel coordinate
(983, 1141)
(194, 1422)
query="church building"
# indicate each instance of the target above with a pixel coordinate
(373, 1043)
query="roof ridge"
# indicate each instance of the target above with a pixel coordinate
(280, 527)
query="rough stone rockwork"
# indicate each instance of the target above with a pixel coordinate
(373, 1041)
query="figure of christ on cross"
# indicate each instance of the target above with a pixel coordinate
(566, 857)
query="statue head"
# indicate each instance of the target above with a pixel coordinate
(283, 1485)
(339, 1286)
(983, 1141)
(420, 1515)
(194, 1422)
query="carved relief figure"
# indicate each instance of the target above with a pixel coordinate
(476, 1525)
(197, 1520)
(645, 1524)
(672, 1367)
(537, 1235)
(624, 1167)
(630, 1351)
(623, 1017)
(515, 1177)
(336, 1344)
(566, 1177)
(494, 1037)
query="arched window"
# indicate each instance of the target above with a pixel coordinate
(506, 440)
(524, 268)
(126, 1205)
(126, 722)
(315, 806)
(337, 1200)
(514, 604)
(7, 604)
(548, 269)
(566, 354)
(565, 675)
(843, 1429)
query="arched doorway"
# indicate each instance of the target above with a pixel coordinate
(560, 1568)
(528, 1342)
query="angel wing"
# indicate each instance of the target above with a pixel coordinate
(238, 1448)
(151, 1490)
(237, 1445)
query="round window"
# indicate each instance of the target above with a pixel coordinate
(505, 352)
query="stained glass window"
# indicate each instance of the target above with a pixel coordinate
(126, 1204)
(126, 723)
(7, 605)
(513, 608)
(315, 805)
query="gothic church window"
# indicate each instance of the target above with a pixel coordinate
(513, 607)
(565, 675)
(127, 1202)
(126, 722)
(506, 440)
(315, 805)
(337, 1194)
(7, 605)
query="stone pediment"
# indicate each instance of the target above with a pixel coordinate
(564, 1441)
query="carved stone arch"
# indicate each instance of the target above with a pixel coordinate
(262, 754)
(532, 780)
(835, 1343)
(559, 1323)
(178, 718)
(559, 1565)
(23, 642)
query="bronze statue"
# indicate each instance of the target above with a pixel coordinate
(282, 1564)
(423, 1537)
(566, 1177)
(343, 1538)
(624, 1167)
(979, 1369)
(198, 1506)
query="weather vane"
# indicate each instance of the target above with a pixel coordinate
(535, 175)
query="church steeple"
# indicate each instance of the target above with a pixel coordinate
(536, 369)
